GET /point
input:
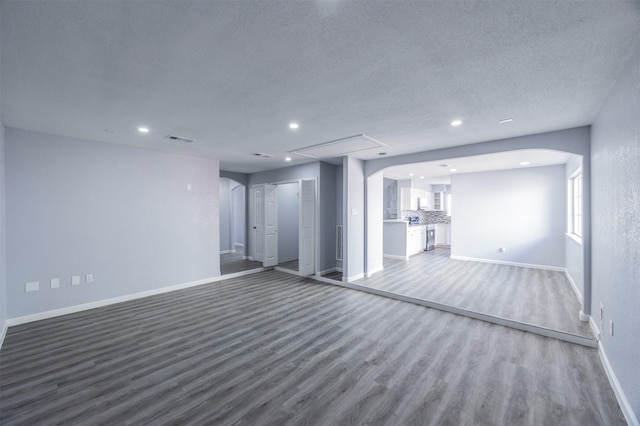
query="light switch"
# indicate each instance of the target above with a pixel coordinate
(32, 286)
(89, 278)
(354, 212)
(188, 187)
(55, 282)
(75, 280)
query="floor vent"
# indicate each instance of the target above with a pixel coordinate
(339, 242)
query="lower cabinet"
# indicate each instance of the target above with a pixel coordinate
(443, 235)
(416, 239)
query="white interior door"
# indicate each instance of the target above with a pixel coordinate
(307, 233)
(270, 226)
(258, 222)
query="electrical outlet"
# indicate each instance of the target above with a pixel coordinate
(55, 282)
(75, 280)
(89, 278)
(610, 327)
(32, 286)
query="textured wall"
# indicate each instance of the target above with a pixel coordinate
(354, 202)
(522, 210)
(574, 256)
(615, 182)
(122, 214)
(225, 215)
(288, 219)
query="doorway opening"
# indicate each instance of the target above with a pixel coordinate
(284, 225)
(233, 256)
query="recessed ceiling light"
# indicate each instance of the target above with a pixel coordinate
(524, 163)
(143, 129)
(287, 159)
(293, 125)
(455, 123)
(410, 174)
(453, 170)
(505, 120)
(421, 177)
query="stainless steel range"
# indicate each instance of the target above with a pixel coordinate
(431, 237)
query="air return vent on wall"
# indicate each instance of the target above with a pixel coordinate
(178, 138)
(340, 147)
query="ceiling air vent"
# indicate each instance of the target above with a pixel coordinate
(178, 138)
(261, 154)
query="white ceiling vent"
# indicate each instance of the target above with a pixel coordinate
(178, 138)
(340, 147)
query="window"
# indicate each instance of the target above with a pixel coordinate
(575, 205)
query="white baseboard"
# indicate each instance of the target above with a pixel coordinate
(106, 302)
(227, 251)
(3, 333)
(326, 271)
(573, 285)
(504, 262)
(239, 245)
(338, 269)
(393, 256)
(353, 277)
(594, 327)
(625, 406)
(374, 271)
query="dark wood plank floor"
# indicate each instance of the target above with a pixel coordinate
(535, 296)
(235, 262)
(273, 348)
(290, 264)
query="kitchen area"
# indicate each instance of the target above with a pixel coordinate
(416, 216)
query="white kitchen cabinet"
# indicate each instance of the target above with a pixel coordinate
(443, 235)
(409, 198)
(401, 240)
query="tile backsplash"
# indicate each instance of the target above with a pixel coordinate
(428, 216)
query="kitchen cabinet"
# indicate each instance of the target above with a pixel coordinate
(416, 239)
(401, 240)
(443, 235)
(409, 198)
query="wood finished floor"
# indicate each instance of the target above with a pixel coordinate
(273, 348)
(291, 264)
(535, 296)
(235, 262)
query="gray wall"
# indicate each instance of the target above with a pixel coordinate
(122, 214)
(615, 156)
(574, 257)
(354, 201)
(389, 197)
(523, 210)
(328, 200)
(238, 199)
(288, 219)
(225, 215)
(3, 256)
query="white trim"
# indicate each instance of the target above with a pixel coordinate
(375, 271)
(227, 251)
(239, 245)
(504, 262)
(625, 406)
(583, 317)
(338, 268)
(353, 277)
(106, 302)
(393, 256)
(574, 286)
(574, 237)
(3, 333)
(326, 271)
(594, 327)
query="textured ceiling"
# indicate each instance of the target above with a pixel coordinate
(232, 74)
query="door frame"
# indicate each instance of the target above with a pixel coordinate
(317, 211)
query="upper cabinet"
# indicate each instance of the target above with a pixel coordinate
(409, 198)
